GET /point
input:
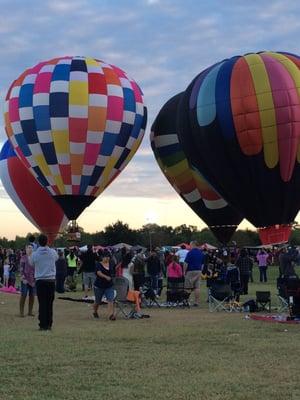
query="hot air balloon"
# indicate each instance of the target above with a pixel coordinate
(75, 122)
(186, 180)
(239, 124)
(29, 196)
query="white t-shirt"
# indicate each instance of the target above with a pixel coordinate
(181, 254)
(6, 269)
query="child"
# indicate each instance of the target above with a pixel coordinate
(6, 268)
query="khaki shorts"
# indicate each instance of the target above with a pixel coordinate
(192, 280)
(89, 278)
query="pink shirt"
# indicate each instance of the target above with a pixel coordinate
(174, 270)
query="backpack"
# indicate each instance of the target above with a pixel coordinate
(250, 306)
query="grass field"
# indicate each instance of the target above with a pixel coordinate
(176, 354)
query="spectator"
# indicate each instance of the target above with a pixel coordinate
(262, 258)
(138, 271)
(71, 270)
(27, 281)
(61, 272)
(154, 270)
(88, 267)
(103, 286)
(244, 264)
(181, 254)
(6, 268)
(44, 260)
(174, 269)
(287, 259)
(32, 243)
(1, 264)
(193, 266)
(233, 279)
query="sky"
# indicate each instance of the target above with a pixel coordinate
(162, 44)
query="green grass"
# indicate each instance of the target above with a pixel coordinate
(176, 354)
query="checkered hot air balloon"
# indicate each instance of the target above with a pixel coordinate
(239, 124)
(75, 122)
(29, 196)
(186, 180)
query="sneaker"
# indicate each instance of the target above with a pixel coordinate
(112, 318)
(195, 305)
(96, 315)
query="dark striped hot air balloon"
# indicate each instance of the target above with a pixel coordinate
(239, 124)
(185, 179)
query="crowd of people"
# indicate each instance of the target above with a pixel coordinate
(43, 271)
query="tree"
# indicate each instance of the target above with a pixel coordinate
(118, 233)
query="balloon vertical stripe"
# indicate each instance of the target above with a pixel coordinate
(222, 92)
(248, 131)
(266, 108)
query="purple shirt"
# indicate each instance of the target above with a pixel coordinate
(27, 270)
(262, 259)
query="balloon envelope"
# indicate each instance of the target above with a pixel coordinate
(185, 179)
(75, 122)
(29, 196)
(239, 123)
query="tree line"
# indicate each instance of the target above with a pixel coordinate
(150, 235)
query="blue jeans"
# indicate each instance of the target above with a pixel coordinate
(154, 282)
(263, 274)
(27, 289)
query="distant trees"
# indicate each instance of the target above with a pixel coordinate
(149, 235)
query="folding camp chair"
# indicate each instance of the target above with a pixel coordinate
(177, 295)
(121, 286)
(283, 305)
(293, 296)
(220, 296)
(263, 301)
(148, 296)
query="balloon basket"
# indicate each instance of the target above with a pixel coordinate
(275, 234)
(73, 233)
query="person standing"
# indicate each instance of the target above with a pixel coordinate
(27, 282)
(181, 254)
(154, 270)
(88, 268)
(71, 270)
(103, 286)
(32, 243)
(244, 264)
(193, 264)
(61, 272)
(262, 258)
(43, 260)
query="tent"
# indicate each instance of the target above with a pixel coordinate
(187, 246)
(121, 245)
(208, 246)
(137, 247)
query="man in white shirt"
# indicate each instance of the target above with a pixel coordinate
(181, 254)
(44, 260)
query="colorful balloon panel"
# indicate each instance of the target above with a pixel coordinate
(185, 179)
(29, 196)
(75, 122)
(238, 123)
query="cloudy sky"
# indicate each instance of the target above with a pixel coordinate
(162, 44)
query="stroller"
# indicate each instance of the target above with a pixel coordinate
(176, 294)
